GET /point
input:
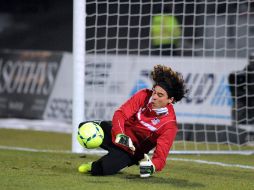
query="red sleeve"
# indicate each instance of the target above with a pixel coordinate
(128, 109)
(164, 143)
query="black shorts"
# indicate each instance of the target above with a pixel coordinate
(116, 158)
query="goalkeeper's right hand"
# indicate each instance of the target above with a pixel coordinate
(146, 167)
(125, 141)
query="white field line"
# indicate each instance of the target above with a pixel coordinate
(212, 163)
(101, 152)
(32, 149)
(94, 151)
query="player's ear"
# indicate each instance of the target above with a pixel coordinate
(171, 100)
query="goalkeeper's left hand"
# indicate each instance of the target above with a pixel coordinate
(146, 167)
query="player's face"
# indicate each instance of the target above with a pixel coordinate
(160, 98)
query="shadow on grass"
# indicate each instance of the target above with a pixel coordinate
(161, 180)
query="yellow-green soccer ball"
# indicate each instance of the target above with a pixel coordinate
(90, 135)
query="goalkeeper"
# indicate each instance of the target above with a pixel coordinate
(144, 122)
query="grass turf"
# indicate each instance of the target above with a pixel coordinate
(53, 170)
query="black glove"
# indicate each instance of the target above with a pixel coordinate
(125, 141)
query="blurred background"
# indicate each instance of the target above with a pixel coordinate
(36, 24)
(36, 62)
(47, 25)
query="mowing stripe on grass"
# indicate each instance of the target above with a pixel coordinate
(100, 152)
(212, 163)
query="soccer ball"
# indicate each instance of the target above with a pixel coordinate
(90, 135)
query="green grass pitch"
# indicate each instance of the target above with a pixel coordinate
(25, 170)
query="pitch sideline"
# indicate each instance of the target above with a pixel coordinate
(102, 152)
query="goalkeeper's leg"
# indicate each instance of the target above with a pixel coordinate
(115, 160)
(112, 163)
(107, 141)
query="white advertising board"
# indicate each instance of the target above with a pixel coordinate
(110, 80)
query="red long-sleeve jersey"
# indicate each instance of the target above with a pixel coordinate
(146, 129)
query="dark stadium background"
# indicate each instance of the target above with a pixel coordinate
(36, 24)
(47, 24)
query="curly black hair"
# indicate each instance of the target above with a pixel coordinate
(171, 81)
